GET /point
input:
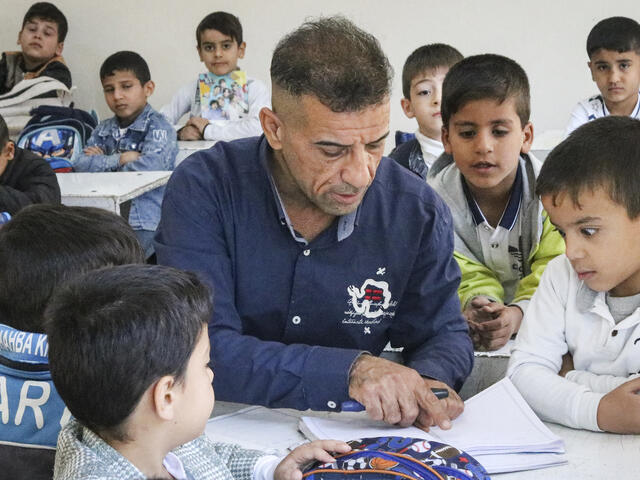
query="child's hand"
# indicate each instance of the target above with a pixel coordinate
(189, 132)
(93, 151)
(199, 123)
(494, 334)
(290, 468)
(619, 410)
(475, 314)
(567, 364)
(128, 157)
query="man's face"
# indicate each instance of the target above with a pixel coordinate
(424, 102)
(601, 240)
(330, 158)
(618, 78)
(485, 138)
(125, 95)
(219, 52)
(39, 41)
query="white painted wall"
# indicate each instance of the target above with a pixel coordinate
(547, 37)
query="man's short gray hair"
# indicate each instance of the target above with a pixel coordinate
(335, 61)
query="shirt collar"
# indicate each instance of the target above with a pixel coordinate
(510, 214)
(346, 223)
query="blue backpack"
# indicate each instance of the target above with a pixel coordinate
(58, 134)
(399, 458)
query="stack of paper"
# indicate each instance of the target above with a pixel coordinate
(497, 427)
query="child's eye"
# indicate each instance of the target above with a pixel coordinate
(208, 48)
(625, 66)
(466, 133)
(500, 132)
(589, 232)
(425, 93)
(226, 46)
(602, 68)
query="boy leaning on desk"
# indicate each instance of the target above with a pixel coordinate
(577, 356)
(129, 355)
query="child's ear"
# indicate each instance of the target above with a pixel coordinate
(164, 395)
(405, 103)
(241, 49)
(445, 140)
(272, 127)
(527, 139)
(149, 87)
(9, 150)
(59, 48)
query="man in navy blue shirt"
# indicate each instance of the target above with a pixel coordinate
(320, 251)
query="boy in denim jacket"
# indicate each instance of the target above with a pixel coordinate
(136, 138)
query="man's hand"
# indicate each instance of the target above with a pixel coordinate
(290, 468)
(93, 151)
(453, 405)
(199, 123)
(189, 132)
(397, 394)
(619, 410)
(128, 157)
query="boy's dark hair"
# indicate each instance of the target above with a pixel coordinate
(353, 75)
(4, 133)
(47, 11)
(604, 153)
(224, 22)
(126, 61)
(620, 34)
(45, 245)
(115, 331)
(482, 77)
(427, 58)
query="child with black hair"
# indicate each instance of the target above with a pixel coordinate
(41, 248)
(576, 358)
(129, 355)
(503, 239)
(25, 178)
(422, 77)
(613, 47)
(220, 46)
(137, 138)
(41, 39)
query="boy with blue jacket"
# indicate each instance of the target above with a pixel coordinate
(42, 247)
(137, 138)
(503, 238)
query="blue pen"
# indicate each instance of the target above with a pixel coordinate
(353, 406)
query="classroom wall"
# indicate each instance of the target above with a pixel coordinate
(547, 37)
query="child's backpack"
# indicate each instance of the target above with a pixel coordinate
(399, 458)
(58, 134)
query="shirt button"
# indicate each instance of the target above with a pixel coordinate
(494, 245)
(614, 333)
(487, 228)
(306, 252)
(331, 404)
(296, 320)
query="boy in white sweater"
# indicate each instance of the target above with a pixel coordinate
(577, 356)
(220, 46)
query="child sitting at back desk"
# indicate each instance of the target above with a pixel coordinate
(503, 239)
(129, 354)
(220, 46)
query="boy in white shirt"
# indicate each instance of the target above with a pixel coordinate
(220, 46)
(613, 46)
(422, 77)
(577, 355)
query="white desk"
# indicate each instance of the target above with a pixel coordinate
(591, 455)
(187, 147)
(107, 190)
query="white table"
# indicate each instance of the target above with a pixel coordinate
(187, 147)
(591, 455)
(108, 190)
